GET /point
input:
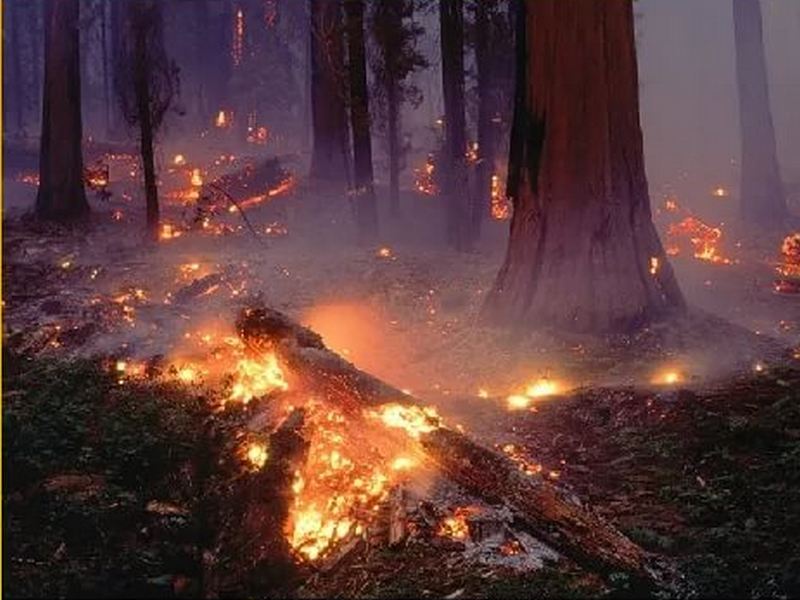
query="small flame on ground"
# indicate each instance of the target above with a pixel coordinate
(668, 377)
(257, 455)
(541, 388)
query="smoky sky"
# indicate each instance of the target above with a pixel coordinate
(689, 106)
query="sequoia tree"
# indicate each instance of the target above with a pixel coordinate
(330, 155)
(762, 197)
(61, 195)
(364, 190)
(583, 253)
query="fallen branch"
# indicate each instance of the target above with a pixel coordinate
(548, 512)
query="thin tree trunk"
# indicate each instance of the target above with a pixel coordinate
(762, 196)
(451, 13)
(37, 35)
(486, 112)
(13, 52)
(107, 98)
(393, 127)
(330, 155)
(366, 209)
(583, 253)
(61, 195)
(139, 16)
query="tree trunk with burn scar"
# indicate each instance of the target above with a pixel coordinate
(540, 507)
(583, 254)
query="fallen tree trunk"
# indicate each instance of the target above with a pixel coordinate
(547, 511)
(251, 553)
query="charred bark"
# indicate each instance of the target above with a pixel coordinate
(393, 131)
(583, 254)
(451, 14)
(364, 192)
(330, 156)
(545, 510)
(61, 195)
(762, 196)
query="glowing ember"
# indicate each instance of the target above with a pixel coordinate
(457, 526)
(179, 160)
(402, 463)
(188, 374)
(425, 178)
(169, 232)
(472, 152)
(671, 205)
(384, 252)
(654, 265)
(790, 256)
(255, 378)
(720, 192)
(703, 238)
(257, 455)
(223, 120)
(542, 388)
(500, 205)
(670, 377)
(197, 178)
(414, 420)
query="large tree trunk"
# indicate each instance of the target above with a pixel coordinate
(330, 155)
(61, 194)
(583, 253)
(142, 12)
(763, 199)
(364, 196)
(454, 172)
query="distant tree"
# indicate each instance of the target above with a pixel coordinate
(395, 35)
(364, 189)
(330, 158)
(61, 196)
(493, 40)
(762, 196)
(146, 83)
(583, 253)
(454, 165)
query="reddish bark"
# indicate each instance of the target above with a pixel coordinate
(582, 239)
(61, 195)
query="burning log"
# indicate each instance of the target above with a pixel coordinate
(252, 184)
(545, 510)
(251, 551)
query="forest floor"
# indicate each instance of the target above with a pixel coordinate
(107, 476)
(105, 489)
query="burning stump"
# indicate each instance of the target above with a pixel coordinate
(540, 507)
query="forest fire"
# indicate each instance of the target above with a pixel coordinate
(789, 266)
(257, 377)
(541, 388)
(224, 119)
(703, 239)
(425, 178)
(501, 206)
(457, 526)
